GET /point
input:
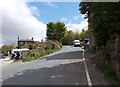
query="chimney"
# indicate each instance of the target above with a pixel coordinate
(18, 37)
(32, 38)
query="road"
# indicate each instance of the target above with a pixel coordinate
(65, 67)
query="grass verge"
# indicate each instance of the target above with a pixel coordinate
(37, 55)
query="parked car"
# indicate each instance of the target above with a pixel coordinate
(86, 41)
(76, 42)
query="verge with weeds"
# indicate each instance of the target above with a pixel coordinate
(44, 49)
(37, 55)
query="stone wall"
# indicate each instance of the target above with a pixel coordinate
(41, 47)
(110, 55)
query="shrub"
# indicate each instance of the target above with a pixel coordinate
(49, 47)
(7, 48)
(37, 55)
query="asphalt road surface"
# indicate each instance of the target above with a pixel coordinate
(65, 67)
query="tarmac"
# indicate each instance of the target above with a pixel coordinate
(6, 61)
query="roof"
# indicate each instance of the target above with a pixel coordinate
(23, 49)
(76, 40)
(25, 40)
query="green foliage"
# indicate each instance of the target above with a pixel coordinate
(68, 39)
(77, 36)
(55, 31)
(24, 46)
(104, 20)
(57, 47)
(37, 55)
(84, 34)
(6, 48)
(84, 8)
(71, 36)
(49, 47)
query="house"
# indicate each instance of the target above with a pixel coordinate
(22, 42)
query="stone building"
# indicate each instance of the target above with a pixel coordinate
(22, 42)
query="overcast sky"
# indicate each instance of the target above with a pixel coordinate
(28, 19)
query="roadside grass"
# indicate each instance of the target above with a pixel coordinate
(37, 55)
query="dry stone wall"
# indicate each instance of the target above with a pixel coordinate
(110, 55)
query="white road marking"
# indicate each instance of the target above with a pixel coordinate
(87, 73)
(52, 76)
(11, 76)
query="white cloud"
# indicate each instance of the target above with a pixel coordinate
(17, 19)
(51, 4)
(77, 27)
(65, 20)
(34, 10)
(74, 18)
(0, 26)
(77, 17)
(73, 26)
(82, 16)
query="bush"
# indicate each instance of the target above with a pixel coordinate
(37, 55)
(7, 48)
(49, 47)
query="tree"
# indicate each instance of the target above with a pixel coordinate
(55, 31)
(84, 34)
(50, 31)
(104, 20)
(7, 48)
(77, 36)
(68, 39)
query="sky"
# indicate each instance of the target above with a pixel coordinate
(29, 19)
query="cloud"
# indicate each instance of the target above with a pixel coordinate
(78, 27)
(77, 17)
(74, 26)
(73, 19)
(51, 4)
(35, 10)
(17, 20)
(82, 16)
(65, 20)
(0, 27)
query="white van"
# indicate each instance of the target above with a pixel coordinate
(76, 42)
(14, 51)
(19, 50)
